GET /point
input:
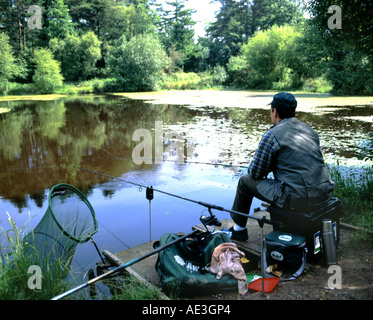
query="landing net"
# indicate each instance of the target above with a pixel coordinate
(68, 221)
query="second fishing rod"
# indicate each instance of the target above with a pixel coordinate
(150, 190)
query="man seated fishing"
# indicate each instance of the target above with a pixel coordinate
(291, 150)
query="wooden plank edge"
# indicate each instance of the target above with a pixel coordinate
(353, 228)
(117, 262)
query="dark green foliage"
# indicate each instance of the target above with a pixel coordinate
(137, 64)
(268, 60)
(78, 55)
(238, 21)
(347, 52)
(261, 44)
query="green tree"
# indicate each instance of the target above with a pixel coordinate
(238, 20)
(10, 67)
(77, 54)
(13, 21)
(268, 13)
(176, 32)
(89, 15)
(230, 30)
(110, 19)
(347, 53)
(57, 19)
(47, 75)
(137, 64)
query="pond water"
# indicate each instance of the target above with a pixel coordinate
(44, 143)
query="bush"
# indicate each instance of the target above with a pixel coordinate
(78, 55)
(238, 71)
(268, 60)
(289, 80)
(219, 75)
(21, 88)
(47, 75)
(320, 85)
(181, 81)
(192, 81)
(105, 85)
(137, 64)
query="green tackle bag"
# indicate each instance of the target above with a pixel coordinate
(287, 250)
(184, 267)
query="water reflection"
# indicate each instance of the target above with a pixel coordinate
(43, 143)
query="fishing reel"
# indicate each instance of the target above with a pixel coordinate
(210, 220)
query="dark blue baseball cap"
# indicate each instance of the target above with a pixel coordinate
(285, 103)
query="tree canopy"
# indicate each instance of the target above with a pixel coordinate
(266, 44)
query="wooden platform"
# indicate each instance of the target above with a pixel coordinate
(145, 270)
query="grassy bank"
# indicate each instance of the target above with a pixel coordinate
(27, 89)
(176, 81)
(215, 78)
(356, 193)
(19, 261)
(194, 81)
(19, 276)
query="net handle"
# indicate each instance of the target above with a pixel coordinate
(60, 189)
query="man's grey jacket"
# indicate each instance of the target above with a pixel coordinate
(299, 166)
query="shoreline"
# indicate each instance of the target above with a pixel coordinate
(307, 102)
(225, 98)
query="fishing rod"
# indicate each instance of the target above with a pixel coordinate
(261, 220)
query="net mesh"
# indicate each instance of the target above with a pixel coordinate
(68, 221)
(72, 213)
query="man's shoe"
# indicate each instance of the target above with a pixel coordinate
(237, 235)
